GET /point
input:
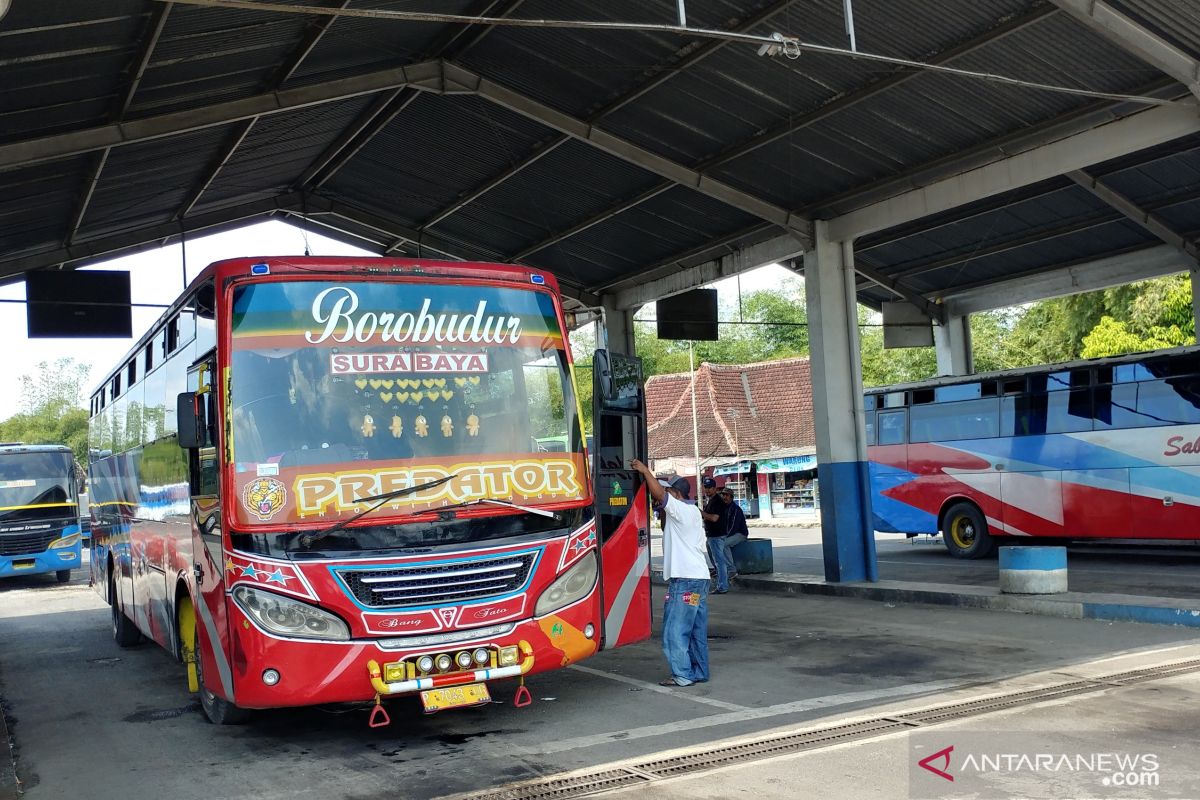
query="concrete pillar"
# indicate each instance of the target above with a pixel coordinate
(952, 342)
(846, 527)
(616, 328)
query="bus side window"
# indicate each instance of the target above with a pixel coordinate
(1169, 402)
(891, 427)
(869, 421)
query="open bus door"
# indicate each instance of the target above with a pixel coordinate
(622, 502)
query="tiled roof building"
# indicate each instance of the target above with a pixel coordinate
(743, 409)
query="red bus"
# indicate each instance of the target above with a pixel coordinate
(1101, 449)
(319, 480)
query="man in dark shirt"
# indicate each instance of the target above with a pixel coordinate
(714, 510)
(720, 547)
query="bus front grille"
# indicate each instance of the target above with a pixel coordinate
(23, 544)
(434, 584)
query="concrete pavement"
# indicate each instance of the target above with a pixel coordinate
(1149, 723)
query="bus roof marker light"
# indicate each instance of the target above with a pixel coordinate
(538, 279)
(260, 269)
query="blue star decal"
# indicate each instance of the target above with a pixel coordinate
(249, 571)
(278, 577)
(579, 544)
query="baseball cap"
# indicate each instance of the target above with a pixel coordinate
(678, 483)
(709, 483)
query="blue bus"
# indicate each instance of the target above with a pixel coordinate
(39, 511)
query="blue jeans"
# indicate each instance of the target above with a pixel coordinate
(720, 548)
(685, 629)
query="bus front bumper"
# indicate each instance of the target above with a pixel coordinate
(312, 673)
(38, 563)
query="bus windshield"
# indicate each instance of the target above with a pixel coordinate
(35, 486)
(341, 391)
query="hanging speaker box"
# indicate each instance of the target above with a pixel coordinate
(78, 304)
(691, 315)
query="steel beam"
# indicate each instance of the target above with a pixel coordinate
(82, 253)
(1139, 215)
(693, 53)
(848, 100)
(154, 29)
(1001, 246)
(359, 133)
(616, 209)
(1128, 134)
(628, 151)
(428, 76)
(1059, 280)
(646, 289)
(900, 76)
(1079, 120)
(1135, 39)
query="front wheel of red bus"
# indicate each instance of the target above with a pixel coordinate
(965, 532)
(217, 710)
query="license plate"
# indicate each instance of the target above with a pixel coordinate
(455, 697)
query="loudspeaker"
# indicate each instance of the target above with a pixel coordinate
(691, 315)
(78, 304)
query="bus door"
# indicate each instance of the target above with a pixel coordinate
(622, 501)
(199, 408)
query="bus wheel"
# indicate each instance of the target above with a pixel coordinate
(125, 633)
(965, 532)
(216, 710)
(63, 575)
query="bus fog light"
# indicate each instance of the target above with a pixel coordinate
(463, 659)
(444, 662)
(481, 656)
(270, 677)
(589, 630)
(510, 656)
(393, 672)
(425, 664)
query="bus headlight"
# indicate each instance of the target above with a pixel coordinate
(66, 541)
(287, 617)
(570, 586)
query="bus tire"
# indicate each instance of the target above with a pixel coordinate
(216, 710)
(965, 532)
(125, 633)
(63, 575)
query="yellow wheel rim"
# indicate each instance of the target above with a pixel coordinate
(962, 532)
(187, 640)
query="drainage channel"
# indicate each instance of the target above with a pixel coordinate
(602, 780)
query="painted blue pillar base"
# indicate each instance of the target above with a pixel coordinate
(847, 535)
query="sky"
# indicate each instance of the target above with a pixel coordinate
(156, 276)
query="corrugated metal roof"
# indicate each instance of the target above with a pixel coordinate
(828, 126)
(1177, 21)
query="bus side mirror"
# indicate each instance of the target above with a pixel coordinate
(190, 414)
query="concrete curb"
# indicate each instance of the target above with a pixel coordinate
(1069, 605)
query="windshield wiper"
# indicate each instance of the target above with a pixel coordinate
(308, 539)
(541, 512)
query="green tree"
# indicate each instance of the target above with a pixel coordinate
(1112, 337)
(52, 408)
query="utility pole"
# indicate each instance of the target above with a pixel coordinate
(695, 419)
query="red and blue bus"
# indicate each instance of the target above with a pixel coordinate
(39, 511)
(319, 480)
(1100, 449)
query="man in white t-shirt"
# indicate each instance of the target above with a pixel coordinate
(685, 568)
